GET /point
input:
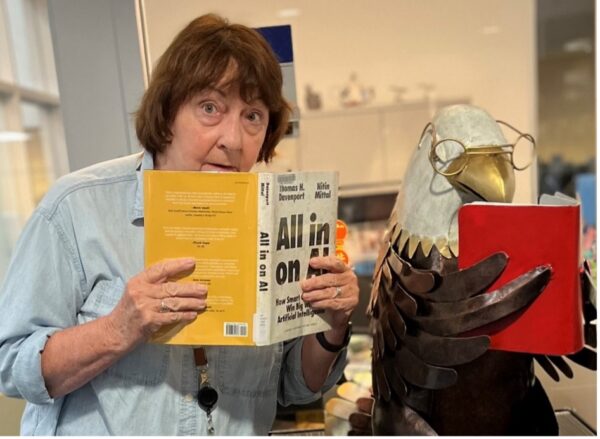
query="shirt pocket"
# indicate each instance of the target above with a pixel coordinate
(102, 299)
(147, 364)
(250, 371)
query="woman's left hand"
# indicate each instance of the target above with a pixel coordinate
(337, 290)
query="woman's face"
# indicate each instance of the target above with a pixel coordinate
(216, 131)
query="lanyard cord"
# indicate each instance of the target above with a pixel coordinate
(207, 395)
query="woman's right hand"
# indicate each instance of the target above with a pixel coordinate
(151, 301)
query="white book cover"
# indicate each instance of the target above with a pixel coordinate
(297, 220)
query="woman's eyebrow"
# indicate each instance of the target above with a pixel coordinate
(223, 93)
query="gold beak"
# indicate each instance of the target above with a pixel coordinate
(490, 176)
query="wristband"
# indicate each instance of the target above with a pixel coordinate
(335, 347)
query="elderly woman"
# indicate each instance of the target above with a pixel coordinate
(79, 307)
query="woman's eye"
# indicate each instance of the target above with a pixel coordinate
(209, 108)
(254, 116)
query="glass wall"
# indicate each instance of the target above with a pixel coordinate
(567, 107)
(32, 147)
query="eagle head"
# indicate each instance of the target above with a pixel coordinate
(462, 156)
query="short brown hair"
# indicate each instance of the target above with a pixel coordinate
(198, 58)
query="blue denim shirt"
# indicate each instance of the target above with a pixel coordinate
(70, 266)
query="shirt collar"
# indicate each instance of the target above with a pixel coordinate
(146, 161)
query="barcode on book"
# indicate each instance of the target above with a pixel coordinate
(236, 329)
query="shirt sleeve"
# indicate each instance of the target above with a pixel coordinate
(292, 388)
(41, 293)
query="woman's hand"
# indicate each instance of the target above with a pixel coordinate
(336, 290)
(151, 301)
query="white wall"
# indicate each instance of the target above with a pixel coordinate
(482, 50)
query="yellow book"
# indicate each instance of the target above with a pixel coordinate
(252, 236)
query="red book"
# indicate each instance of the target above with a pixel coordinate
(531, 235)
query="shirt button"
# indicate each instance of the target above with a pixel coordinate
(189, 397)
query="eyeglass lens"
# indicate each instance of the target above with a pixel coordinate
(449, 157)
(524, 152)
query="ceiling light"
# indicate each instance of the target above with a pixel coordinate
(13, 136)
(287, 13)
(579, 45)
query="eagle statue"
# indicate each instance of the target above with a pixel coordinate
(432, 373)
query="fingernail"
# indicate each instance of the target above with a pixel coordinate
(189, 262)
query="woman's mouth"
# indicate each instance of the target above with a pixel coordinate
(216, 167)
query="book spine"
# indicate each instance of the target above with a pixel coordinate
(265, 237)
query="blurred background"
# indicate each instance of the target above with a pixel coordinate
(364, 80)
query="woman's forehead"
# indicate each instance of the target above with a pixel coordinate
(232, 82)
(230, 75)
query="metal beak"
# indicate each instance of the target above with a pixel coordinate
(490, 177)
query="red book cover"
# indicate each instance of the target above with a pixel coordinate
(530, 235)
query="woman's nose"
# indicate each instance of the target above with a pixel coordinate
(231, 135)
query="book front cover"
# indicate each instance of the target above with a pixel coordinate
(530, 236)
(213, 218)
(305, 220)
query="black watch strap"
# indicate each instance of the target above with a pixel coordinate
(335, 347)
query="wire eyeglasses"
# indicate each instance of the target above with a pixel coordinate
(450, 157)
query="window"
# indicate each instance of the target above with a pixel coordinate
(32, 147)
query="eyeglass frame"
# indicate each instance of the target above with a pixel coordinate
(483, 150)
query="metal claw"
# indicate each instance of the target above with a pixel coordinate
(400, 297)
(388, 335)
(418, 399)
(372, 308)
(471, 281)
(561, 364)
(447, 318)
(380, 382)
(396, 418)
(378, 340)
(397, 384)
(590, 335)
(446, 351)
(414, 280)
(585, 357)
(421, 374)
(390, 312)
(547, 366)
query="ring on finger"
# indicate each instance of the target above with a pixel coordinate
(164, 307)
(338, 291)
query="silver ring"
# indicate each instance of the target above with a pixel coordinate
(164, 307)
(338, 291)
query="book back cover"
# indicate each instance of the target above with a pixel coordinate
(530, 235)
(197, 214)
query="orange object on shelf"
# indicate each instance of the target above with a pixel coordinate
(341, 231)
